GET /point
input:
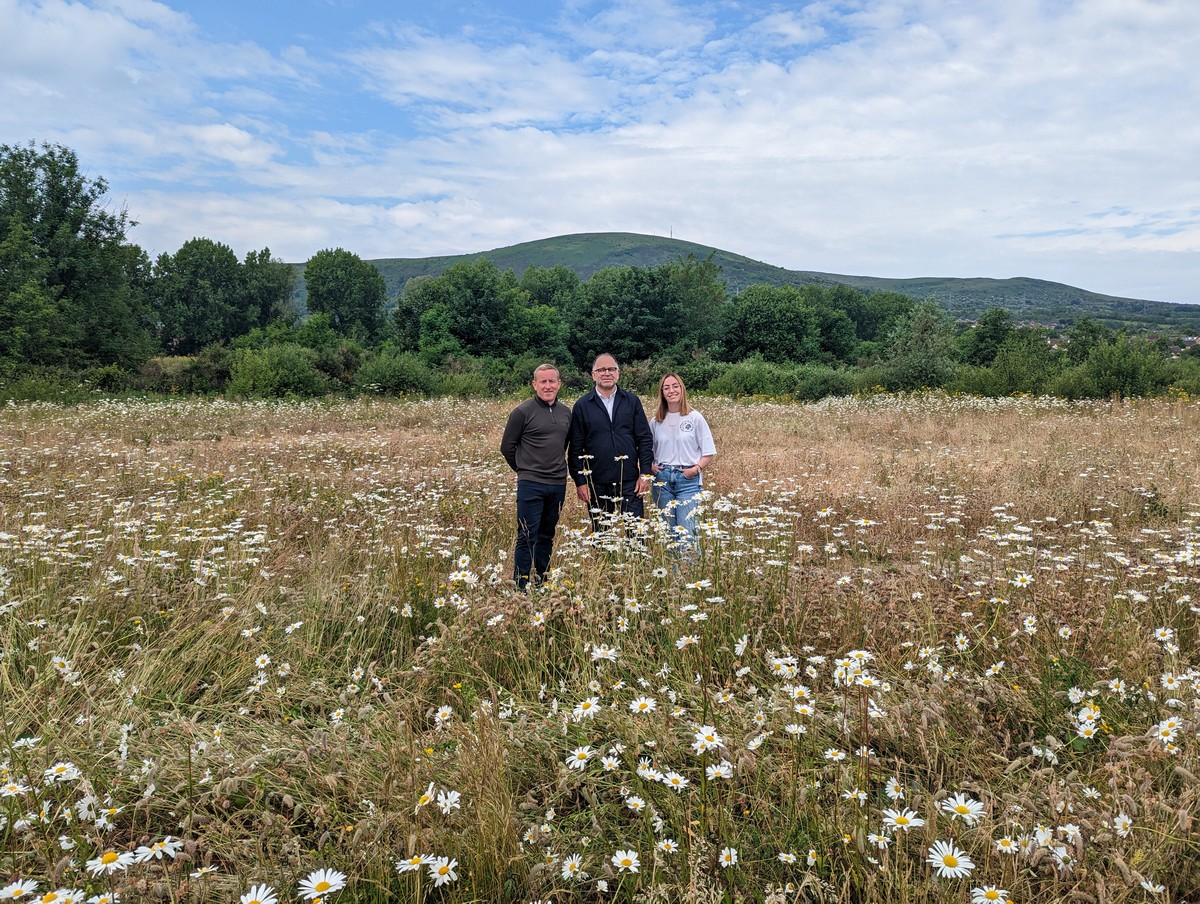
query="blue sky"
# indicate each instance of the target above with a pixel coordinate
(1057, 139)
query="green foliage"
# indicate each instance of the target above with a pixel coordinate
(921, 350)
(68, 276)
(1126, 367)
(981, 343)
(1083, 336)
(1024, 362)
(275, 372)
(396, 373)
(202, 295)
(775, 323)
(636, 313)
(756, 377)
(348, 289)
(41, 384)
(1184, 375)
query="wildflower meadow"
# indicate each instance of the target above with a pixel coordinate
(931, 649)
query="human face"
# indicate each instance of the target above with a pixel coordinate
(605, 373)
(546, 384)
(672, 391)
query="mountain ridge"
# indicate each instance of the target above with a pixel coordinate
(1030, 300)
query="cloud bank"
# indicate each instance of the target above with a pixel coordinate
(1043, 138)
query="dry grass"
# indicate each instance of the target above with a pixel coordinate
(265, 630)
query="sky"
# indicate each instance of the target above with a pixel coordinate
(1054, 139)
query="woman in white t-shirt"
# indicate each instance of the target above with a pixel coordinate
(683, 448)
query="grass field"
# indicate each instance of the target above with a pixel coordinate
(933, 649)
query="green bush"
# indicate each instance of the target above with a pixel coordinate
(464, 384)
(1129, 368)
(111, 378)
(396, 373)
(42, 384)
(699, 373)
(806, 382)
(275, 372)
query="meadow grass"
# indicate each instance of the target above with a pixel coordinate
(932, 649)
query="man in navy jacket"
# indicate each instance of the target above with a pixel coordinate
(610, 448)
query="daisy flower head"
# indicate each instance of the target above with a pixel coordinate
(259, 894)
(586, 709)
(321, 882)
(901, 820)
(668, 846)
(15, 891)
(987, 894)
(63, 896)
(962, 807)
(706, 739)
(449, 800)
(110, 862)
(948, 861)
(626, 861)
(1122, 825)
(441, 871)
(426, 798)
(893, 789)
(721, 770)
(572, 868)
(413, 863)
(579, 757)
(675, 782)
(643, 705)
(728, 857)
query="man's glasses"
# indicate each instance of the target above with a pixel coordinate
(606, 370)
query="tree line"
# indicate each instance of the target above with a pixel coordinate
(82, 309)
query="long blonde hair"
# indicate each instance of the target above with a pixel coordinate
(684, 407)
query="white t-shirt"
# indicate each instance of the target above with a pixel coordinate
(682, 439)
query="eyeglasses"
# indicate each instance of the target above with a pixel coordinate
(606, 370)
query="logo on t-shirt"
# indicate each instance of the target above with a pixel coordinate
(686, 427)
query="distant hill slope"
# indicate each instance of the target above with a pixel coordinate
(1029, 300)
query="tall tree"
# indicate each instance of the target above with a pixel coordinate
(90, 271)
(348, 289)
(199, 296)
(981, 343)
(269, 284)
(33, 328)
(773, 322)
(920, 350)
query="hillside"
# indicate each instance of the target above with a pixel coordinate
(1029, 300)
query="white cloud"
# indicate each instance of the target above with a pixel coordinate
(1049, 138)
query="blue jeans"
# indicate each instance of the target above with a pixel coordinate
(538, 508)
(675, 496)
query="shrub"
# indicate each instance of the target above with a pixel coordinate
(276, 371)
(42, 384)
(396, 374)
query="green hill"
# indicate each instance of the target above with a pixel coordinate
(1029, 300)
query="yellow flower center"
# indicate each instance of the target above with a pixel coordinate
(901, 820)
(323, 886)
(950, 860)
(110, 857)
(442, 870)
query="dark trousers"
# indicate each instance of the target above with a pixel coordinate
(538, 508)
(613, 499)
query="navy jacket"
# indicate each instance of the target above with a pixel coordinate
(621, 449)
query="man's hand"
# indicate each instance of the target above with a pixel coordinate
(643, 486)
(582, 492)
